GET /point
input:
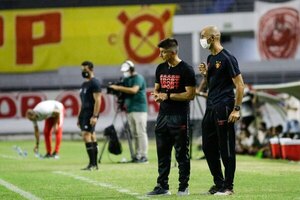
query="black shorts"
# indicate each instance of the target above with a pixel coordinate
(84, 122)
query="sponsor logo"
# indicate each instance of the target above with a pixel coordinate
(278, 34)
(218, 64)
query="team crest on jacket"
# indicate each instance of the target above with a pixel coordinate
(218, 64)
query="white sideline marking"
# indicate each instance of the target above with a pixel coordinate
(15, 189)
(10, 157)
(101, 184)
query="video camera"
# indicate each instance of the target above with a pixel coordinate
(120, 95)
(109, 90)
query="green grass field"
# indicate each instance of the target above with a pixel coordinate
(34, 178)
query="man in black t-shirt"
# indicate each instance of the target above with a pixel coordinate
(221, 75)
(174, 88)
(90, 95)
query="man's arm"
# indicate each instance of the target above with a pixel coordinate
(203, 84)
(156, 88)
(128, 90)
(78, 125)
(156, 93)
(239, 85)
(189, 94)
(97, 98)
(37, 137)
(55, 115)
(200, 90)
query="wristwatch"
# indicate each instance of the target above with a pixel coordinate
(237, 108)
(168, 95)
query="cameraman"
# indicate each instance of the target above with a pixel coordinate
(134, 86)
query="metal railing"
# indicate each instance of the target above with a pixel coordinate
(218, 6)
(184, 7)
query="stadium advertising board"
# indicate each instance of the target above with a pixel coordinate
(13, 106)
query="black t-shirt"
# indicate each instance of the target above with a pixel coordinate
(86, 94)
(221, 69)
(174, 80)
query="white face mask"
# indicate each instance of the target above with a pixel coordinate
(126, 74)
(204, 43)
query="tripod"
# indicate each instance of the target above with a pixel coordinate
(126, 130)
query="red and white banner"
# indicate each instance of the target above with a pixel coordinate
(13, 106)
(277, 29)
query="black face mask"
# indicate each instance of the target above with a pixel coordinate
(85, 74)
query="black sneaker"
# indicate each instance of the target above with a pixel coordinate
(90, 168)
(158, 190)
(47, 155)
(213, 189)
(134, 159)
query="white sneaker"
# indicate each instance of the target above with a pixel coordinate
(225, 192)
(186, 192)
(55, 155)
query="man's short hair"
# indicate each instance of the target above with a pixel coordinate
(30, 113)
(169, 43)
(89, 64)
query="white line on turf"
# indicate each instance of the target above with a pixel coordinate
(102, 184)
(19, 191)
(11, 157)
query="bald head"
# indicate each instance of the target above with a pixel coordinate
(209, 31)
(210, 39)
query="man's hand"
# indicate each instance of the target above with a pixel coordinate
(159, 97)
(55, 127)
(36, 149)
(203, 69)
(93, 121)
(114, 87)
(234, 116)
(155, 95)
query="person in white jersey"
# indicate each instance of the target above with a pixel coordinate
(53, 113)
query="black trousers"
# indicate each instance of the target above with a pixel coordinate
(219, 143)
(172, 130)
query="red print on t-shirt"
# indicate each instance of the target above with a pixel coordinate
(169, 81)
